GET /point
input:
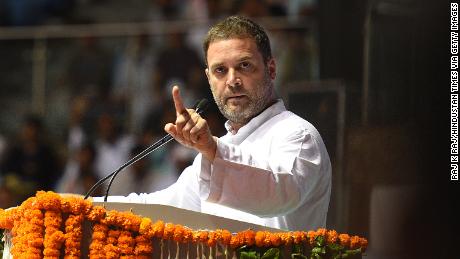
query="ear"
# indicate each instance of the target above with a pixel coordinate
(272, 68)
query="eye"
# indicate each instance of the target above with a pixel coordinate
(245, 65)
(219, 70)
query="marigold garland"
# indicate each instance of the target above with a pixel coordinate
(36, 229)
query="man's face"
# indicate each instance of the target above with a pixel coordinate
(240, 81)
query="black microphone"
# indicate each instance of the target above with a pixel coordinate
(200, 108)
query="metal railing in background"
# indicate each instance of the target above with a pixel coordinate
(40, 35)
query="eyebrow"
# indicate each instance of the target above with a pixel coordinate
(243, 58)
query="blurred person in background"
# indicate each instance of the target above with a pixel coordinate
(30, 163)
(89, 70)
(133, 82)
(178, 62)
(79, 174)
(112, 144)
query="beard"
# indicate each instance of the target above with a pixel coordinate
(259, 97)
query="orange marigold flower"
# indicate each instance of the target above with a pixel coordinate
(75, 205)
(33, 214)
(286, 238)
(126, 238)
(96, 213)
(260, 238)
(321, 232)
(332, 236)
(142, 239)
(99, 235)
(268, 239)
(53, 219)
(168, 231)
(158, 229)
(212, 239)
(187, 235)
(226, 237)
(312, 237)
(236, 240)
(344, 240)
(299, 237)
(7, 218)
(100, 227)
(49, 200)
(249, 237)
(363, 243)
(114, 233)
(49, 252)
(204, 235)
(355, 242)
(178, 233)
(143, 249)
(275, 239)
(35, 242)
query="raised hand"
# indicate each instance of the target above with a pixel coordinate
(190, 129)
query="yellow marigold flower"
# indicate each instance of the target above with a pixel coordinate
(146, 226)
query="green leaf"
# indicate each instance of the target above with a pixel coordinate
(249, 255)
(353, 251)
(320, 241)
(318, 250)
(298, 256)
(297, 249)
(272, 253)
(336, 247)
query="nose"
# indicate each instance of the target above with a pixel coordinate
(233, 78)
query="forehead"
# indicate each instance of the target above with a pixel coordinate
(232, 49)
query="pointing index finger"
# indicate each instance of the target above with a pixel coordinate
(178, 103)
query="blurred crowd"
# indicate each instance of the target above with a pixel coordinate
(106, 105)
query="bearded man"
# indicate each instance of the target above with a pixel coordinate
(272, 167)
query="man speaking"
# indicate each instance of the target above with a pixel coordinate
(272, 167)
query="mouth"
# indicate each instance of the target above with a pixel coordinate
(236, 97)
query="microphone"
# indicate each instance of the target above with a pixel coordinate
(200, 107)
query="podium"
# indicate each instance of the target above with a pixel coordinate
(191, 219)
(51, 226)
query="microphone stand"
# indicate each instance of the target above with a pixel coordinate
(200, 108)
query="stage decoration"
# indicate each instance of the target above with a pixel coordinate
(51, 226)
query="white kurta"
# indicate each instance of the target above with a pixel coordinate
(275, 171)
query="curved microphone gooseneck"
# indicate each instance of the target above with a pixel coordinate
(200, 108)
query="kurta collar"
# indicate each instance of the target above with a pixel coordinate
(255, 122)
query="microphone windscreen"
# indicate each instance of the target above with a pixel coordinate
(202, 106)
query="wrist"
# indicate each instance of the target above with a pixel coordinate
(210, 152)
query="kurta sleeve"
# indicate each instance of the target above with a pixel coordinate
(182, 194)
(266, 179)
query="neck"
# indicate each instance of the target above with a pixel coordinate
(235, 126)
